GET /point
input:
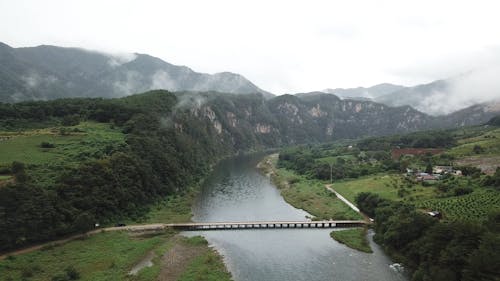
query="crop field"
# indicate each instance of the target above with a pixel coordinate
(473, 206)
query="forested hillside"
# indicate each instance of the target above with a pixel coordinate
(73, 178)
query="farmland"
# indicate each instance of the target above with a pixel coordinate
(474, 206)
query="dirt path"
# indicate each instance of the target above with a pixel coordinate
(347, 202)
(175, 261)
(132, 228)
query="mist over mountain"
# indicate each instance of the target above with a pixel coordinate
(365, 93)
(439, 97)
(50, 72)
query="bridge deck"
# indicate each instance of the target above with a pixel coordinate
(266, 224)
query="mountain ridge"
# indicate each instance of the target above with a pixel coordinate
(49, 72)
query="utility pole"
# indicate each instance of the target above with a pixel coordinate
(331, 173)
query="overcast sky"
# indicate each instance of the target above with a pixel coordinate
(282, 46)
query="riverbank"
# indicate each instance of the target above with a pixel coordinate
(306, 194)
(314, 198)
(111, 255)
(354, 238)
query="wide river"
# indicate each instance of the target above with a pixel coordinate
(236, 191)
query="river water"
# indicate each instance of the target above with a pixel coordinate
(236, 191)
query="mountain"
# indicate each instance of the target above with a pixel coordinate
(250, 121)
(436, 98)
(362, 93)
(50, 72)
(350, 118)
(419, 97)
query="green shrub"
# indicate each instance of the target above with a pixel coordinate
(46, 144)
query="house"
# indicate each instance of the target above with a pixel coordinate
(435, 214)
(426, 177)
(442, 170)
(429, 178)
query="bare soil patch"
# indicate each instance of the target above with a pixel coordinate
(488, 165)
(175, 261)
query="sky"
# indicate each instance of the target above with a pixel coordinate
(281, 46)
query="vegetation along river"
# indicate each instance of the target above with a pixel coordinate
(236, 191)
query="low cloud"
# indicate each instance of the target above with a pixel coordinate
(129, 85)
(162, 80)
(116, 60)
(190, 101)
(34, 80)
(478, 86)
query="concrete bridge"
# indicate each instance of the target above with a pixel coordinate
(266, 225)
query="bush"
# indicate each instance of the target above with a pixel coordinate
(46, 144)
(71, 273)
(477, 149)
(70, 120)
(458, 191)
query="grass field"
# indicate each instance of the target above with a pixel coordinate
(88, 140)
(488, 140)
(80, 142)
(473, 206)
(207, 266)
(105, 256)
(354, 238)
(309, 195)
(380, 184)
(4, 177)
(110, 256)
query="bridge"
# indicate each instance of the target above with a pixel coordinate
(194, 226)
(201, 226)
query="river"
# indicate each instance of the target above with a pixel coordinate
(236, 191)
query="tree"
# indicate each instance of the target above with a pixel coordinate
(428, 168)
(477, 149)
(19, 172)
